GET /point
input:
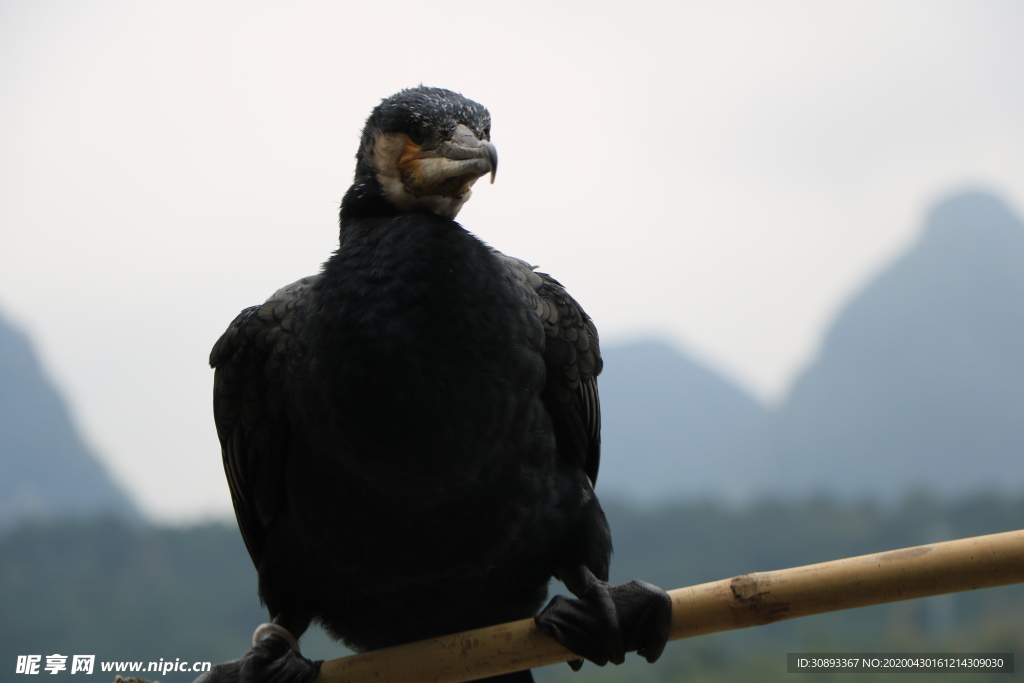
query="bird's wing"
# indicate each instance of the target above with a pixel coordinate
(253, 360)
(572, 358)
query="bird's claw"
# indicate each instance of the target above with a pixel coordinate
(607, 621)
(265, 630)
(274, 658)
(646, 614)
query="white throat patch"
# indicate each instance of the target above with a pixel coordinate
(386, 152)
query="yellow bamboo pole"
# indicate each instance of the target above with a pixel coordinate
(739, 602)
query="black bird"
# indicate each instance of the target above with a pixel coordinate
(412, 436)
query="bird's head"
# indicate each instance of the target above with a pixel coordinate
(422, 150)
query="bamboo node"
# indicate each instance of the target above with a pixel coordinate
(748, 596)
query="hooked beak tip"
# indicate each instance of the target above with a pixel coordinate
(492, 156)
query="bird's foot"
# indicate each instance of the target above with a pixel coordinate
(607, 621)
(274, 658)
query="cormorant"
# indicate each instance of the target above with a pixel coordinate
(412, 436)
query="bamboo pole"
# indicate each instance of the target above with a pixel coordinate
(739, 602)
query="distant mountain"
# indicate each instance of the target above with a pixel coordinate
(920, 380)
(671, 426)
(919, 384)
(46, 470)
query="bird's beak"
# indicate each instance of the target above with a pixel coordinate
(450, 168)
(464, 144)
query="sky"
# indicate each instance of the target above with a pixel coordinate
(722, 175)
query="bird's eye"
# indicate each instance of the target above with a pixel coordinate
(416, 135)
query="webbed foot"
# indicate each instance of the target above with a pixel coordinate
(607, 621)
(274, 658)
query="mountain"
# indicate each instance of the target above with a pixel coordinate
(918, 384)
(46, 469)
(920, 380)
(671, 427)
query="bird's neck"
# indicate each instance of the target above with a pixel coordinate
(392, 288)
(365, 199)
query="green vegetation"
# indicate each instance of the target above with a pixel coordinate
(126, 592)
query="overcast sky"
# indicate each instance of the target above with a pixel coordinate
(720, 174)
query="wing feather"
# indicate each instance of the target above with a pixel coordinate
(572, 357)
(253, 360)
